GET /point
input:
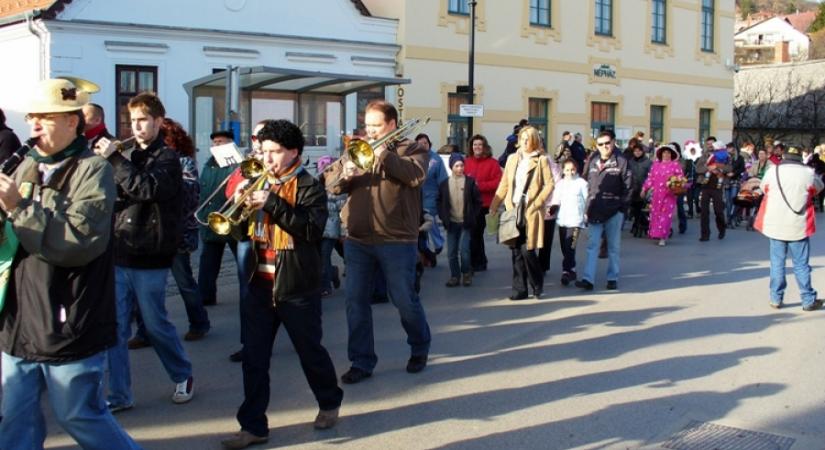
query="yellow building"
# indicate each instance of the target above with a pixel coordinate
(660, 66)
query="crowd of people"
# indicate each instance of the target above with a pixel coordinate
(83, 209)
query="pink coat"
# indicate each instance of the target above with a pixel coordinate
(664, 202)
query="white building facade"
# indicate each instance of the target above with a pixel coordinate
(128, 47)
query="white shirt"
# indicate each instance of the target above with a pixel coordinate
(522, 170)
(571, 196)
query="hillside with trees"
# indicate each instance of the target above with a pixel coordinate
(774, 6)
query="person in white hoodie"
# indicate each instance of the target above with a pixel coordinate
(787, 218)
(569, 199)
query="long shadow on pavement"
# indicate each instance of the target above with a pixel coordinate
(624, 422)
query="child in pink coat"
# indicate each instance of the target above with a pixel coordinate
(664, 200)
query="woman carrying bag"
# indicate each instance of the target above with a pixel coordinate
(525, 186)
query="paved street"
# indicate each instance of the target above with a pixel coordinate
(688, 337)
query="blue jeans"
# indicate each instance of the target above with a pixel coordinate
(397, 262)
(148, 288)
(188, 288)
(800, 254)
(458, 249)
(435, 231)
(611, 229)
(210, 266)
(75, 391)
(327, 246)
(680, 211)
(730, 194)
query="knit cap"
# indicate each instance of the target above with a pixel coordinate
(454, 158)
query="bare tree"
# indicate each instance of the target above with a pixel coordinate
(779, 103)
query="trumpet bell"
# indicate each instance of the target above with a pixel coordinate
(361, 154)
(252, 168)
(219, 223)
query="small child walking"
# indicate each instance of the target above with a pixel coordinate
(459, 202)
(570, 196)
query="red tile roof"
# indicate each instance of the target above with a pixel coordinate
(10, 8)
(802, 21)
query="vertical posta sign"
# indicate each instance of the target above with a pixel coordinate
(400, 102)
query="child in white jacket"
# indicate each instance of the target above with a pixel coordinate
(569, 198)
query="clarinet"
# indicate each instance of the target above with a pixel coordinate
(13, 161)
(10, 164)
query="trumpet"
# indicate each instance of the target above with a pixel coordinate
(233, 211)
(362, 153)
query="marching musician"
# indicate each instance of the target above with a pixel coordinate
(286, 226)
(148, 224)
(382, 215)
(59, 313)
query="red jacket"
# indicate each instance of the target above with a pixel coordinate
(487, 174)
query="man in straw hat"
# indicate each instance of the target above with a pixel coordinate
(787, 218)
(55, 329)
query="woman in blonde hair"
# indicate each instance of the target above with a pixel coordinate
(527, 180)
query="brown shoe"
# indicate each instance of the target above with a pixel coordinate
(326, 419)
(243, 439)
(466, 279)
(136, 343)
(193, 335)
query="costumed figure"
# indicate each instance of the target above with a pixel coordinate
(666, 180)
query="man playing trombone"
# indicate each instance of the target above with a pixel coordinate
(287, 212)
(382, 216)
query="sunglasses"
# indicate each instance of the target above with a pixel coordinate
(47, 117)
(602, 144)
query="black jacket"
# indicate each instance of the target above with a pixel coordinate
(298, 271)
(9, 143)
(148, 209)
(472, 202)
(609, 189)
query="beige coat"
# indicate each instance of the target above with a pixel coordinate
(541, 185)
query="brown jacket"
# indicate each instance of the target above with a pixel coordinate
(541, 185)
(383, 206)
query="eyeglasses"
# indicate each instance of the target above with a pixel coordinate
(47, 117)
(602, 144)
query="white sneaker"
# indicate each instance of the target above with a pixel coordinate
(662, 243)
(183, 391)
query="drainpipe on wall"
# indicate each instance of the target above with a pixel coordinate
(41, 34)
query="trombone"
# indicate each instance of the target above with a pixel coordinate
(362, 153)
(233, 211)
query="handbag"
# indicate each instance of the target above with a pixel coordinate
(507, 228)
(513, 219)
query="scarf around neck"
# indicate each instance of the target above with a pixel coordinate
(262, 229)
(77, 146)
